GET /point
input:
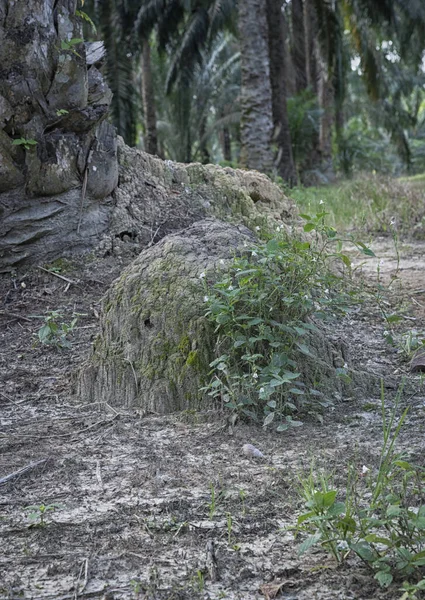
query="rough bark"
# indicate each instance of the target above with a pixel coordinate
(256, 95)
(326, 102)
(226, 143)
(148, 97)
(284, 161)
(298, 45)
(310, 39)
(55, 184)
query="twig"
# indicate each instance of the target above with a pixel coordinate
(99, 474)
(85, 566)
(57, 275)
(14, 315)
(23, 470)
(211, 561)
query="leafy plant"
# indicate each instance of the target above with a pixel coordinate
(55, 332)
(69, 45)
(262, 310)
(26, 143)
(84, 16)
(61, 112)
(38, 513)
(381, 520)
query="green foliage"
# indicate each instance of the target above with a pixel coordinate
(61, 112)
(370, 203)
(55, 332)
(262, 310)
(39, 512)
(69, 46)
(26, 143)
(381, 520)
(84, 16)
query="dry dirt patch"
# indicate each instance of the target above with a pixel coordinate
(169, 507)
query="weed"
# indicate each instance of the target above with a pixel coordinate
(39, 512)
(55, 332)
(242, 496)
(381, 520)
(26, 143)
(262, 311)
(214, 499)
(229, 522)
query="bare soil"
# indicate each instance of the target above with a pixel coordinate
(169, 507)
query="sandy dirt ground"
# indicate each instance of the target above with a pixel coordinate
(169, 507)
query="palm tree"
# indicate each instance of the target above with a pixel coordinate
(284, 161)
(256, 93)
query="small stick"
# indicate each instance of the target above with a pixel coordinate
(57, 275)
(211, 561)
(23, 470)
(6, 313)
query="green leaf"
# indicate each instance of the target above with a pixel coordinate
(376, 539)
(272, 245)
(305, 349)
(309, 542)
(255, 321)
(305, 217)
(282, 427)
(337, 509)
(393, 511)
(364, 551)
(305, 517)
(346, 260)
(384, 579)
(268, 419)
(309, 227)
(329, 498)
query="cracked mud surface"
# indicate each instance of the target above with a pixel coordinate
(142, 500)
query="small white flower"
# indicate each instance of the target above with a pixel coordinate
(278, 228)
(386, 332)
(261, 390)
(381, 262)
(306, 297)
(257, 228)
(321, 202)
(206, 298)
(392, 222)
(342, 545)
(230, 287)
(254, 253)
(365, 470)
(326, 292)
(202, 276)
(221, 261)
(94, 168)
(345, 366)
(255, 375)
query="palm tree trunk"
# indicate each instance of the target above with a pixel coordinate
(326, 103)
(298, 46)
(58, 155)
(310, 41)
(148, 97)
(284, 162)
(256, 94)
(226, 144)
